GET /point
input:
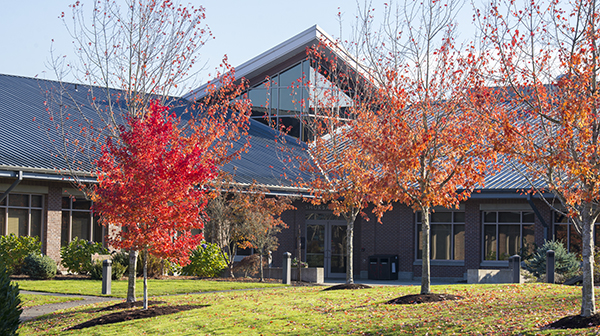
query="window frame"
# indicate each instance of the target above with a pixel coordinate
(6, 206)
(453, 224)
(93, 221)
(497, 223)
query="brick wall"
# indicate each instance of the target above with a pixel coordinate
(396, 235)
(51, 234)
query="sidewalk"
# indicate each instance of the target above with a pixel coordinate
(30, 313)
(333, 281)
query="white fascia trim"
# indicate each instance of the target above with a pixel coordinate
(280, 52)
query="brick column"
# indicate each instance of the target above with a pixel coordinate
(472, 234)
(52, 229)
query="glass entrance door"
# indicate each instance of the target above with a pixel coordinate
(326, 246)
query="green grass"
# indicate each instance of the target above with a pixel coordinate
(485, 309)
(119, 288)
(30, 300)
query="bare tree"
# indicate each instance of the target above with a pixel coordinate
(225, 224)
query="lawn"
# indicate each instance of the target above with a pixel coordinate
(484, 309)
(30, 300)
(119, 288)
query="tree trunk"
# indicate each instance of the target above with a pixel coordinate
(350, 249)
(229, 260)
(425, 272)
(299, 267)
(262, 278)
(132, 270)
(588, 304)
(146, 278)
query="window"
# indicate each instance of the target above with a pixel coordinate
(447, 237)
(292, 96)
(506, 233)
(564, 230)
(21, 215)
(79, 221)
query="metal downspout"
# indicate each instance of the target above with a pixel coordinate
(538, 215)
(19, 179)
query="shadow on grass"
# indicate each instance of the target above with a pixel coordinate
(134, 314)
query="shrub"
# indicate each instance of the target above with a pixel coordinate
(565, 262)
(121, 258)
(10, 304)
(206, 260)
(248, 266)
(14, 249)
(39, 266)
(117, 270)
(77, 256)
(295, 262)
(156, 266)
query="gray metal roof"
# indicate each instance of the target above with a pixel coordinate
(27, 141)
(27, 136)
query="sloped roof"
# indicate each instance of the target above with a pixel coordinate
(255, 69)
(28, 137)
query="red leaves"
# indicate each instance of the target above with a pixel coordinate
(148, 185)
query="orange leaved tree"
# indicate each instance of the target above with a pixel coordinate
(418, 129)
(150, 182)
(546, 111)
(340, 172)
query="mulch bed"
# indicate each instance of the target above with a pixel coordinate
(423, 298)
(134, 314)
(575, 322)
(347, 286)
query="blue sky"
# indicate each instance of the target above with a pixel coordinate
(242, 29)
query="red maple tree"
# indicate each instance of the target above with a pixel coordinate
(149, 181)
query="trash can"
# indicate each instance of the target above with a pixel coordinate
(383, 267)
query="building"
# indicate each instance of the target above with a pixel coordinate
(495, 223)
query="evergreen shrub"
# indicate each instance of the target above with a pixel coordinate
(566, 263)
(40, 267)
(10, 304)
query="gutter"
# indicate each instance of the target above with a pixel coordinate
(48, 177)
(12, 186)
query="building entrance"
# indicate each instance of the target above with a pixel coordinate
(326, 246)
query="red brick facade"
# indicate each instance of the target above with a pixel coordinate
(396, 235)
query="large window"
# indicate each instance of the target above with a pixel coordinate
(291, 96)
(447, 238)
(21, 215)
(79, 221)
(506, 233)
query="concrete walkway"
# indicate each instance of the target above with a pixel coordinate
(30, 313)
